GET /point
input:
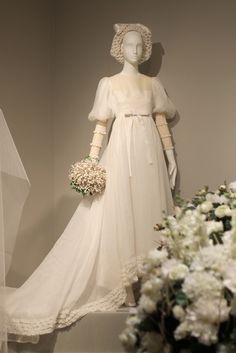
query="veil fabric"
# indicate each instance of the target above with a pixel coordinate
(14, 189)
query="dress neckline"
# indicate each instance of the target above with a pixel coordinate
(129, 74)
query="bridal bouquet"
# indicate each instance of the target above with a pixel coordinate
(188, 293)
(87, 177)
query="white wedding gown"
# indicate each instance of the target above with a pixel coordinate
(101, 250)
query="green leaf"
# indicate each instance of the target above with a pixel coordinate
(181, 298)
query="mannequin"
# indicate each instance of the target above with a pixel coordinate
(132, 48)
(100, 254)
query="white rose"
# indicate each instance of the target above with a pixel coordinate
(132, 320)
(229, 276)
(147, 304)
(178, 312)
(201, 192)
(214, 227)
(222, 211)
(206, 206)
(209, 309)
(227, 238)
(156, 257)
(232, 186)
(211, 259)
(199, 283)
(174, 270)
(182, 330)
(152, 286)
(146, 288)
(128, 339)
(179, 272)
(222, 187)
(215, 198)
(223, 199)
(205, 333)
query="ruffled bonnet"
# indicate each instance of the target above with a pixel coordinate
(121, 29)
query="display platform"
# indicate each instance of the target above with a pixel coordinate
(95, 333)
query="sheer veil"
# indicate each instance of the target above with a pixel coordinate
(14, 189)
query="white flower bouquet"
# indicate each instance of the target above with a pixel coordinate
(87, 177)
(188, 292)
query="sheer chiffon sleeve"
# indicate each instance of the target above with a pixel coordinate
(102, 104)
(161, 101)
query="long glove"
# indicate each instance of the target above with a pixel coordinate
(168, 147)
(96, 144)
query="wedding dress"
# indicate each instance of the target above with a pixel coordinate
(102, 248)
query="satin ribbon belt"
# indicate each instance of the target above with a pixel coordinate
(129, 132)
(129, 115)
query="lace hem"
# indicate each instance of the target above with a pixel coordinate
(112, 301)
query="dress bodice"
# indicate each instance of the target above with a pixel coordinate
(123, 94)
(131, 94)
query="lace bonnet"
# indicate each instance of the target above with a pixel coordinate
(121, 29)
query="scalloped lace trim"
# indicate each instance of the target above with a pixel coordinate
(112, 301)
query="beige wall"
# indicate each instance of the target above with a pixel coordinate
(194, 53)
(25, 98)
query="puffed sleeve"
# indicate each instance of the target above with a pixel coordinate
(161, 102)
(102, 104)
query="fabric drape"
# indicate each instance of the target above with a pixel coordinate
(14, 189)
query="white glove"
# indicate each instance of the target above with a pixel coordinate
(172, 167)
(96, 144)
(168, 147)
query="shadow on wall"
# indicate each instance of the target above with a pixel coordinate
(152, 67)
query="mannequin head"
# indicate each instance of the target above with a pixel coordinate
(129, 36)
(132, 47)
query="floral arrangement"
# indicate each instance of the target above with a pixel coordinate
(87, 177)
(188, 292)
